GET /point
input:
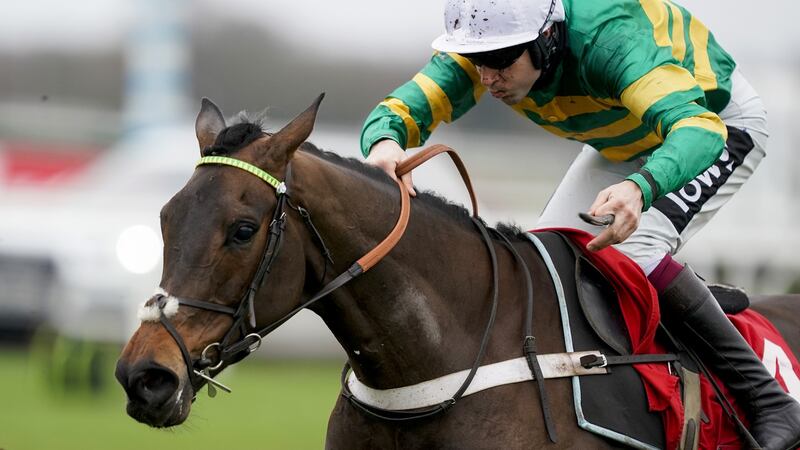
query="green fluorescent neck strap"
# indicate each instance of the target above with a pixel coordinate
(272, 181)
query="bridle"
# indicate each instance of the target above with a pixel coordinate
(230, 351)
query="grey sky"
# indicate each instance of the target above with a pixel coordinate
(358, 28)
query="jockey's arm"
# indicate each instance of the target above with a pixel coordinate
(667, 99)
(446, 88)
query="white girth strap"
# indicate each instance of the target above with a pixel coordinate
(438, 390)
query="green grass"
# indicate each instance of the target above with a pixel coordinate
(273, 406)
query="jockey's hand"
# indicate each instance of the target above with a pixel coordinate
(624, 201)
(387, 154)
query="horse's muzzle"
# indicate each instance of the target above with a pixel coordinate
(155, 396)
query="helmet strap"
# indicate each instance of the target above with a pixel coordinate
(546, 53)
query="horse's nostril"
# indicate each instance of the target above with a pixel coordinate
(152, 386)
(153, 379)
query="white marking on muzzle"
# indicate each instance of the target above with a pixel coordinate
(178, 402)
(152, 313)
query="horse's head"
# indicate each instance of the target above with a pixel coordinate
(222, 233)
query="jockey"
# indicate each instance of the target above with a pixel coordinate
(671, 131)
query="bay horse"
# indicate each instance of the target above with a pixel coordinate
(417, 315)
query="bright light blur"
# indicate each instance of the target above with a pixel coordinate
(139, 249)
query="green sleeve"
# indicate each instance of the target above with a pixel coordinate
(668, 100)
(685, 153)
(446, 88)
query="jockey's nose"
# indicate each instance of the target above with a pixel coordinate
(488, 76)
(147, 384)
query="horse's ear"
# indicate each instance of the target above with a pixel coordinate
(208, 124)
(286, 141)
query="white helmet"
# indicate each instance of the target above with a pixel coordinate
(475, 26)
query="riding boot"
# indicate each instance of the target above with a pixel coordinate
(690, 311)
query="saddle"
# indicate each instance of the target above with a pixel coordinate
(614, 406)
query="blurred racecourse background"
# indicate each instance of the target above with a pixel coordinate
(97, 104)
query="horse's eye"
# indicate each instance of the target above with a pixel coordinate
(244, 233)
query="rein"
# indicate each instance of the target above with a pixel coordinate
(393, 415)
(529, 342)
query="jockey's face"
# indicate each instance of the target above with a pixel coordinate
(514, 82)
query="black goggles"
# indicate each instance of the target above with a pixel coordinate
(497, 59)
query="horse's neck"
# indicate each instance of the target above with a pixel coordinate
(419, 312)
